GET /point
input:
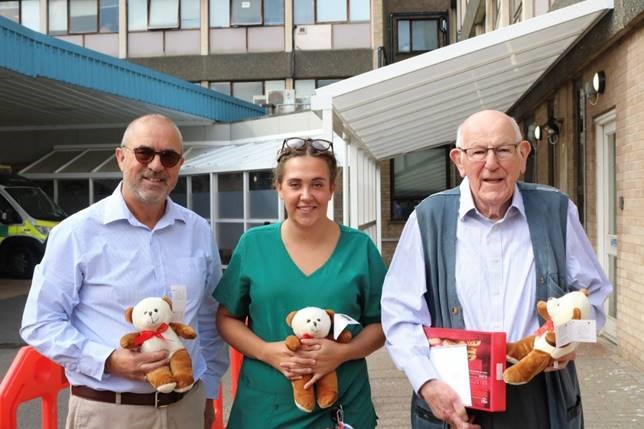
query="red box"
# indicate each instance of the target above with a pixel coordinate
(486, 352)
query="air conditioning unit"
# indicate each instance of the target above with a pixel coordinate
(281, 97)
(260, 100)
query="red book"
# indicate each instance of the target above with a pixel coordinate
(486, 360)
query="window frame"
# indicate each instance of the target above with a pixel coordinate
(349, 20)
(394, 18)
(392, 184)
(262, 22)
(68, 17)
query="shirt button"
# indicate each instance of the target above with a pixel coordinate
(541, 280)
(456, 310)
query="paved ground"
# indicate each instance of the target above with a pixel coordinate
(612, 389)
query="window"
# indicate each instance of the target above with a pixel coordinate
(220, 13)
(416, 175)
(236, 213)
(190, 11)
(246, 12)
(163, 14)
(78, 16)
(25, 12)
(247, 90)
(305, 88)
(73, 195)
(11, 10)
(262, 196)
(273, 12)
(321, 11)
(146, 15)
(83, 16)
(224, 13)
(201, 195)
(417, 35)
(104, 188)
(137, 15)
(331, 10)
(223, 87)
(180, 192)
(109, 16)
(57, 16)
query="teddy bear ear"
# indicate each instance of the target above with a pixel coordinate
(168, 300)
(128, 314)
(290, 317)
(330, 312)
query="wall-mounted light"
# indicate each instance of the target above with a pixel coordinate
(550, 130)
(595, 87)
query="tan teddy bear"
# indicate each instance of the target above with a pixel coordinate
(534, 353)
(152, 317)
(313, 322)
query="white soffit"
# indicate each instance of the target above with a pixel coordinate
(419, 102)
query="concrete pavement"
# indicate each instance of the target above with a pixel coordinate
(612, 389)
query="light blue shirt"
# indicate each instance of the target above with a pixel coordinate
(102, 260)
(495, 281)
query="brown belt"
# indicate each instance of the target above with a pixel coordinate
(155, 399)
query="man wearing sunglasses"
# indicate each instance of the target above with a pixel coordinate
(131, 245)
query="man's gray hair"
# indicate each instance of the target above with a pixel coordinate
(154, 116)
(517, 131)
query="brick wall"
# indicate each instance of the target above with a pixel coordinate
(623, 64)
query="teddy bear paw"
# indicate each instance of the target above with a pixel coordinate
(166, 388)
(325, 401)
(184, 389)
(306, 405)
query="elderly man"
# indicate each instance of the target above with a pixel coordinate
(131, 245)
(479, 257)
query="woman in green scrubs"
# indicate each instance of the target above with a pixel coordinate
(307, 260)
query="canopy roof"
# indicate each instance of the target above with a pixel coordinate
(419, 102)
(49, 83)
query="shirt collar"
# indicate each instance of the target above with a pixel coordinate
(467, 207)
(116, 209)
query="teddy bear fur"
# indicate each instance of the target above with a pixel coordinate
(313, 322)
(152, 317)
(534, 353)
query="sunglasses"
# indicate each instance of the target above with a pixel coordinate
(296, 143)
(145, 155)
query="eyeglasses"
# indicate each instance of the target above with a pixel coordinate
(502, 153)
(145, 155)
(296, 143)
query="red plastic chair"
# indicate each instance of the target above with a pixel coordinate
(32, 376)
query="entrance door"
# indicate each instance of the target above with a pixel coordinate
(607, 213)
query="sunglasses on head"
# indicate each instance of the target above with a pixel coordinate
(145, 155)
(296, 143)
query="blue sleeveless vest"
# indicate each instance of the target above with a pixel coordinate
(546, 212)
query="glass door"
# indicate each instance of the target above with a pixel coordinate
(607, 239)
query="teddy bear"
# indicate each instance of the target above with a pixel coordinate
(151, 316)
(313, 322)
(534, 353)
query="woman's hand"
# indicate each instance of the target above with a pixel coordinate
(285, 361)
(326, 355)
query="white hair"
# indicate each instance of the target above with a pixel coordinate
(459, 132)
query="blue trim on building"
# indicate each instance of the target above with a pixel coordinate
(37, 55)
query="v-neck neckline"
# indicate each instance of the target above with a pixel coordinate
(297, 267)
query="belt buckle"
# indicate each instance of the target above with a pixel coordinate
(156, 400)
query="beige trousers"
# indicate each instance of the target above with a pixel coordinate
(187, 413)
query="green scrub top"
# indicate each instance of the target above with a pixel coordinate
(263, 283)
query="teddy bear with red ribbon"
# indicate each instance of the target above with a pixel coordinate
(152, 317)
